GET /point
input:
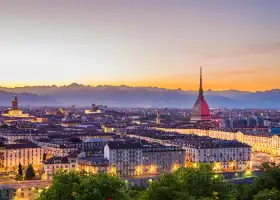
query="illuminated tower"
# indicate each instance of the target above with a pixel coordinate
(200, 111)
(15, 103)
(158, 117)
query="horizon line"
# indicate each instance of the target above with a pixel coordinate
(131, 86)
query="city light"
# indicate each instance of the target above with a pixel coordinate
(153, 169)
(113, 170)
(175, 167)
(150, 181)
(248, 173)
(217, 166)
(139, 170)
(195, 165)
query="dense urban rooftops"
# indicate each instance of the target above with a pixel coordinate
(189, 140)
(122, 145)
(203, 142)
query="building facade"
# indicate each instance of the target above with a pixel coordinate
(25, 154)
(134, 159)
(259, 142)
(55, 164)
(125, 159)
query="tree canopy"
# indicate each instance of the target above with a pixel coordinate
(29, 173)
(20, 173)
(85, 186)
(183, 184)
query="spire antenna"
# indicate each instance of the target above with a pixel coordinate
(200, 86)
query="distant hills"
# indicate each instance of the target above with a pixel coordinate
(125, 96)
(26, 99)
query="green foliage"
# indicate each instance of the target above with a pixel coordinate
(134, 191)
(20, 173)
(268, 194)
(85, 186)
(270, 179)
(4, 126)
(29, 173)
(186, 183)
(183, 184)
(44, 156)
(245, 192)
(268, 183)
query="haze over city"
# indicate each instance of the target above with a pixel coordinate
(141, 43)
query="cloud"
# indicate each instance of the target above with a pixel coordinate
(248, 49)
(252, 71)
(260, 48)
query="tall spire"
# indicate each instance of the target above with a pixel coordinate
(200, 86)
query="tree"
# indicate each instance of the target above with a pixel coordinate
(270, 179)
(85, 186)
(44, 156)
(20, 173)
(268, 194)
(29, 173)
(167, 188)
(187, 184)
(4, 126)
(245, 192)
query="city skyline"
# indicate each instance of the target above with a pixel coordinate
(158, 43)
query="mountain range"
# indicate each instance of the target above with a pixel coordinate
(125, 96)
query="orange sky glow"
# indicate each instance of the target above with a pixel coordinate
(157, 43)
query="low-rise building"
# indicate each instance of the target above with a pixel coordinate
(55, 164)
(93, 164)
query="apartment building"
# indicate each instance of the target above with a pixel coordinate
(136, 159)
(25, 153)
(55, 164)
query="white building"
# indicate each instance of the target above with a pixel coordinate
(225, 155)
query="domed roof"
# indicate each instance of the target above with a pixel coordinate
(200, 110)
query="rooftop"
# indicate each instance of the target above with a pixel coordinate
(21, 146)
(122, 145)
(55, 160)
(96, 160)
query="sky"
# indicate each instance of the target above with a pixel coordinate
(141, 43)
